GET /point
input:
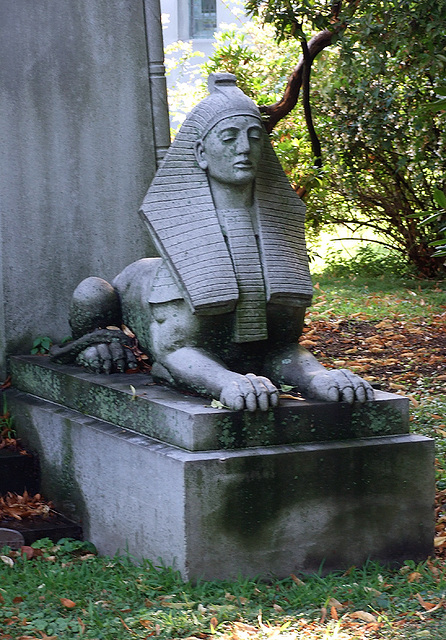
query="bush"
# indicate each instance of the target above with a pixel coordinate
(368, 260)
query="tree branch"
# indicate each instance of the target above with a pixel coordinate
(318, 43)
(280, 109)
(315, 143)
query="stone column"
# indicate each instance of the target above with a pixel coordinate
(155, 55)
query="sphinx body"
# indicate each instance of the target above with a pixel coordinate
(222, 309)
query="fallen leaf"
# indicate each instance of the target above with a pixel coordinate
(365, 616)
(439, 541)
(308, 344)
(66, 602)
(27, 551)
(277, 608)
(216, 404)
(7, 383)
(213, 623)
(373, 626)
(334, 613)
(335, 603)
(7, 560)
(147, 624)
(298, 581)
(414, 577)
(393, 385)
(82, 625)
(288, 396)
(428, 606)
(127, 331)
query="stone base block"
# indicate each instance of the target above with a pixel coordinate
(268, 510)
(135, 401)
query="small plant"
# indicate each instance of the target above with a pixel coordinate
(7, 430)
(41, 346)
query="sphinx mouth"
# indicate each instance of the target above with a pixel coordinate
(243, 165)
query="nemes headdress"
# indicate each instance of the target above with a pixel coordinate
(180, 214)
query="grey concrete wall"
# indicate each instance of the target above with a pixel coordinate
(78, 153)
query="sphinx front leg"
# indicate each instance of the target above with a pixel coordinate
(296, 366)
(181, 359)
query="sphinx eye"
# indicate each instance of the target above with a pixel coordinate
(229, 135)
(254, 134)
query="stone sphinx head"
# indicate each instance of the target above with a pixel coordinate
(231, 134)
(231, 151)
(223, 148)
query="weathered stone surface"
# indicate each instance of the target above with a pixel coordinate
(78, 142)
(218, 514)
(190, 422)
(11, 538)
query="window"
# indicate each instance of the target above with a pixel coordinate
(203, 18)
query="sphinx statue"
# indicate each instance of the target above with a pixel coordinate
(220, 312)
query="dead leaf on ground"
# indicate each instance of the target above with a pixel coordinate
(429, 606)
(147, 624)
(365, 616)
(439, 541)
(335, 603)
(18, 507)
(66, 602)
(415, 576)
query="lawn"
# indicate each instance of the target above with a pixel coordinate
(65, 592)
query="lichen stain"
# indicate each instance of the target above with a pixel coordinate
(260, 490)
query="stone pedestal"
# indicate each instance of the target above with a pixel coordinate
(217, 493)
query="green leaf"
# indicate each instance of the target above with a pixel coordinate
(216, 404)
(440, 198)
(431, 218)
(286, 388)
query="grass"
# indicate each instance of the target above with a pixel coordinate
(69, 593)
(378, 297)
(66, 592)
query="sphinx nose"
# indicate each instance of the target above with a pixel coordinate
(243, 145)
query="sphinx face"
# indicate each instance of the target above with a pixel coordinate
(231, 151)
